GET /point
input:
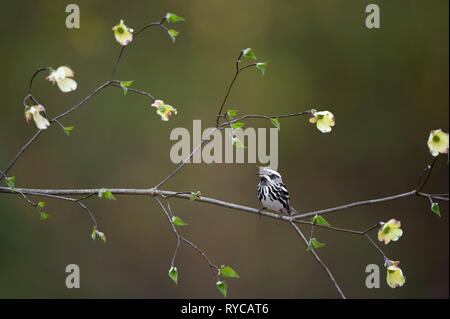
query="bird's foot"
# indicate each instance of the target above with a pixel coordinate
(279, 217)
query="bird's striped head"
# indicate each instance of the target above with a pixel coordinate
(269, 175)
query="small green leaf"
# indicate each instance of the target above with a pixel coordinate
(320, 220)
(125, 85)
(10, 181)
(248, 53)
(98, 234)
(237, 125)
(44, 216)
(227, 271)
(232, 113)
(172, 17)
(195, 196)
(314, 244)
(173, 34)
(104, 193)
(435, 209)
(237, 142)
(177, 221)
(262, 67)
(68, 129)
(276, 124)
(173, 274)
(102, 236)
(222, 286)
(41, 204)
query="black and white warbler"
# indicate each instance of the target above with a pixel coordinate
(272, 193)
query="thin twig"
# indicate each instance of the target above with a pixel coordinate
(355, 204)
(124, 47)
(117, 84)
(22, 150)
(267, 117)
(330, 275)
(186, 159)
(87, 98)
(238, 70)
(37, 193)
(117, 62)
(428, 170)
(30, 94)
(213, 267)
(376, 246)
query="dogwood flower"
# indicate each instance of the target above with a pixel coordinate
(438, 142)
(34, 112)
(123, 34)
(164, 110)
(390, 231)
(62, 76)
(324, 120)
(394, 276)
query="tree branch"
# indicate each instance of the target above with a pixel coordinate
(201, 199)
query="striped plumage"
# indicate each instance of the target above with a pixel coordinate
(272, 193)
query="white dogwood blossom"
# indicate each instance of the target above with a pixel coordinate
(62, 76)
(35, 112)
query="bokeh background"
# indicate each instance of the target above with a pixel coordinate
(387, 88)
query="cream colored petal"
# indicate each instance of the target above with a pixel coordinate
(118, 25)
(328, 121)
(59, 74)
(171, 109)
(394, 224)
(164, 116)
(325, 114)
(41, 122)
(385, 239)
(381, 235)
(67, 85)
(123, 38)
(440, 146)
(395, 277)
(158, 103)
(434, 152)
(396, 234)
(66, 71)
(323, 126)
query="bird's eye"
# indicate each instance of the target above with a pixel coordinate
(273, 176)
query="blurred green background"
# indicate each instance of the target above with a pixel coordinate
(387, 88)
